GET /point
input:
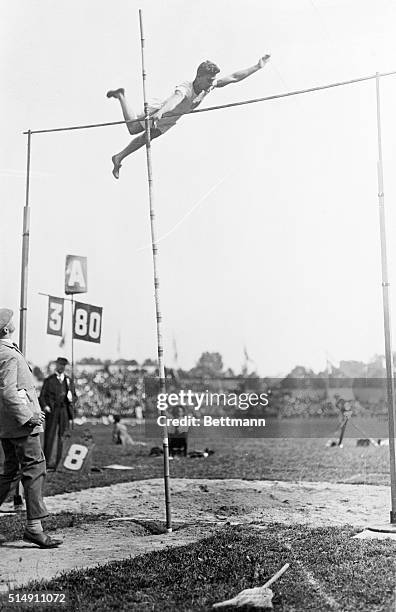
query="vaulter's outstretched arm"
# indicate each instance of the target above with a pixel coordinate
(239, 75)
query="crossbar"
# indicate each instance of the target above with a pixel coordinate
(221, 106)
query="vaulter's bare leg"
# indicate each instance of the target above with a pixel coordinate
(128, 113)
(134, 145)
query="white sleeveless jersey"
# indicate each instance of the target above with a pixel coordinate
(190, 101)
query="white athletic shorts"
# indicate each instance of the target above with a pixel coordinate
(165, 123)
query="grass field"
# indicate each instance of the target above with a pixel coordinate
(291, 459)
(248, 458)
(328, 571)
(262, 459)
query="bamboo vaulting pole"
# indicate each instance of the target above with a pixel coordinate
(160, 350)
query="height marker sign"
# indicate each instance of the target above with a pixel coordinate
(76, 279)
(87, 322)
(55, 315)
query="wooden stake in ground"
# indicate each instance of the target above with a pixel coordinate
(258, 597)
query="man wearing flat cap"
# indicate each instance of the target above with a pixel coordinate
(20, 425)
(56, 399)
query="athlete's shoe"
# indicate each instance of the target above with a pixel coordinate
(114, 93)
(41, 539)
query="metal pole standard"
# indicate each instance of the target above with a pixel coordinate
(72, 354)
(156, 283)
(18, 503)
(387, 317)
(25, 255)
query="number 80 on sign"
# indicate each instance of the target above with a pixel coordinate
(87, 322)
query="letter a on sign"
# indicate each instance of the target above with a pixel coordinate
(76, 274)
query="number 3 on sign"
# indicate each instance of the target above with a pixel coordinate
(87, 322)
(55, 321)
(55, 316)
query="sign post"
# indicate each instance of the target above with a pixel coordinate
(76, 281)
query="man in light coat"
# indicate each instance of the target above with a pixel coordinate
(21, 422)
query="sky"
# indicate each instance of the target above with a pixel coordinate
(267, 214)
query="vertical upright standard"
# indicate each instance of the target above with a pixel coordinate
(25, 255)
(387, 317)
(18, 503)
(156, 283)
(72, 354)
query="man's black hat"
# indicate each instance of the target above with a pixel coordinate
(62, 361)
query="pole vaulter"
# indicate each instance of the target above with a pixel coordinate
(185, 98)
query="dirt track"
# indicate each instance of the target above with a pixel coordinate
(249, 500)
(202, 504)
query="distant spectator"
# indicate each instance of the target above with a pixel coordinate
(56, 400)
(121, 435)
(120, 432)
(345, 409)
(139, 414)
(178, 412)
(178, 434)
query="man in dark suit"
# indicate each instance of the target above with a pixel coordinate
(20, 425)
(56, 399)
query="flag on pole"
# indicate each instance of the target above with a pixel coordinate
(175, 354)
(330, 367)
(247, 358)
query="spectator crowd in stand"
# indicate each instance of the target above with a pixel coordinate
(128, 389)
(104, 393)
